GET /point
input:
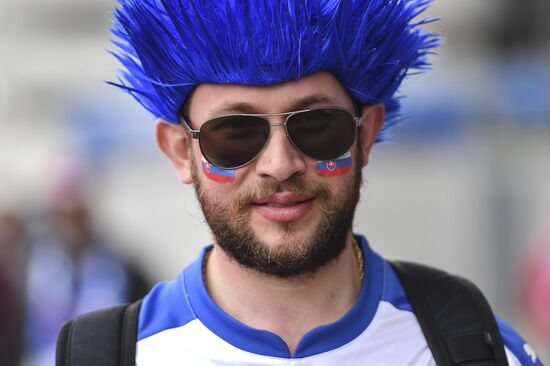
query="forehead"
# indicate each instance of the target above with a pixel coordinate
(209, 100)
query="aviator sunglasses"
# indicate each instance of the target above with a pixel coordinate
(235, 140)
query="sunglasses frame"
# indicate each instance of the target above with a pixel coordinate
(195, 134)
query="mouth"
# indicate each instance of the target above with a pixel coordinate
(283, 207)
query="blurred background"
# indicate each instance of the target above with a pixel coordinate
(86, 197)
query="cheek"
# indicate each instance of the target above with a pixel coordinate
(334, 168)
(216, 174)
(226, 180)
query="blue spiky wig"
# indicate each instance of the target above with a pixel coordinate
(168, 47)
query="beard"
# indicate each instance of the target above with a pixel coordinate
(233, 233)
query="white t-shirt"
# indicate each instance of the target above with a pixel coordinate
(179, 324)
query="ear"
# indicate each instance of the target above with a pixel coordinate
(175, 143)
(373, 120)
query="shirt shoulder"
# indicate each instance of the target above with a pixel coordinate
(157, 310)
(517, 349)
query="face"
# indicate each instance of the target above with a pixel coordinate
(277, 216)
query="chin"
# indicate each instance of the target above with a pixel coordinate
(286, 235)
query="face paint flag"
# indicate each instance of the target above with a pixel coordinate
(216, 174)
(332, 168)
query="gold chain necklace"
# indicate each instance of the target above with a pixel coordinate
(359, 259)
(206, 256)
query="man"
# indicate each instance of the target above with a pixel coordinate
(271, 109)
(70, 269)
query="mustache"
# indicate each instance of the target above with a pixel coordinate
(270, 186)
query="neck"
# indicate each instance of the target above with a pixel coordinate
(286, 307)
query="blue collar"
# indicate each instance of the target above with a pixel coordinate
(320, 339)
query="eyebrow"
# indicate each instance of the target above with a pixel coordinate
(302, 103)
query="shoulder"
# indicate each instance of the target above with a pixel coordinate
(158, 311)
(518, 352)
(517, 349)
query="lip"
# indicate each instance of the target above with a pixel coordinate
(283, 207)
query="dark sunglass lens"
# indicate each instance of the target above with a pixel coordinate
(323, 134)
(232, 141)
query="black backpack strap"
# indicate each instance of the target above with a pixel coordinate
(455, 317)
(129, 335)
(101, 338)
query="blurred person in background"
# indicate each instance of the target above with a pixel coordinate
(536, 284)
(71, 267)
(12, 247)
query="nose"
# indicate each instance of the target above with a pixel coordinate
(280, 159)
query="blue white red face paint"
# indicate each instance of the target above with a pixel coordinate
(329, 168)
(334, 168)
(217, 174)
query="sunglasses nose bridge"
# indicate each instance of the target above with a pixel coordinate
(280, 120)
